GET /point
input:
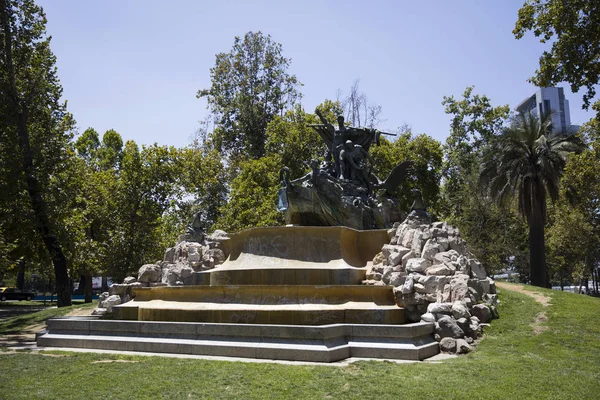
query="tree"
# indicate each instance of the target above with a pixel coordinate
(528, 160)
(358, 110)
(574, 234)
(474, 123)
(426, 153)
(250, 85)
(35, 117)
(253, 197)
(575, 53)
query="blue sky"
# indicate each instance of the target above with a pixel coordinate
(135, 66)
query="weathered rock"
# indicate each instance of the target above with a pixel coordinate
(443, 243)
(462, 347)
(408, 256)
(394, 254)
(149, 273)
(463, 264)
(216, 238)
(417, 265)
(460, 310)
(447, 327)
(482, 312)
(103, 296)
(430, 249)
(213, 257)
(138, 285)
(440, 308)
(458, 287)
(477, 270)
(490, 299)
(118, 289)
(464, 324)
(448, 345)
(169, 255)
(407, 287)
(110, 302)
(397, 278)
(438, 232)
(492, 286)
(378, 259)
(478, 288)
(407, 238)
(419, 288)
(440, 269)
(129, 280)
(428, 317)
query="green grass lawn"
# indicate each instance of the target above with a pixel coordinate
(512, 362)
(15, 324)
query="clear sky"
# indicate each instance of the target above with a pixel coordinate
(135, 66)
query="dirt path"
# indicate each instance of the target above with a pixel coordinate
(544, 300)
(539, 297)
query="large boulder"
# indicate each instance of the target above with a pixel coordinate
(417, 265)
(477, 270)
(149, 273)
(110, 302)
(393, 254)
(482, 312)
(446, 326)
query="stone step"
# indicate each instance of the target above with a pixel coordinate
(269, 294)
(326, 343)
(320, 275)
(289, 314)
(264, 304)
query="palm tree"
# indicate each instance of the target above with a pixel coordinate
(527, 160)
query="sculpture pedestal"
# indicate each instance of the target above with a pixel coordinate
(291, 293)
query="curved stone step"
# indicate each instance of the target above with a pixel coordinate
(282, 342)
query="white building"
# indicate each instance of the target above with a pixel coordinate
(545, 99)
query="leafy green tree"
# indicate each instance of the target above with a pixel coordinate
(426, 153)
(572, 27)
(35, 119)
(528, 160)
(294, 141)
(253, 197)
(203, 180)
(250, 85)
(574, 235)
(474, 123)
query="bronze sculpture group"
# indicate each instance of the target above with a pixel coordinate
(342, 190)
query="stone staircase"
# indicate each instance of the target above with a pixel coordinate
(322, 343)
(286, 293)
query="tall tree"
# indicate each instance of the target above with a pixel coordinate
(573, 28)
(32, 111)
(528, 159)
(474, 122)
(250, 85)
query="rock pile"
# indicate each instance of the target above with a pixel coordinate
(192, 253)
(437, 280)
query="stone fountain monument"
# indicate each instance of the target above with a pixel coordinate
(343, 279)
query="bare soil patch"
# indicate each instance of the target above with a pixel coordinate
(538, 324)
(539, 297)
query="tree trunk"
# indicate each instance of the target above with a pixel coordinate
(40, 208)
(537, 256)
(87, 288)
(21, 275)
